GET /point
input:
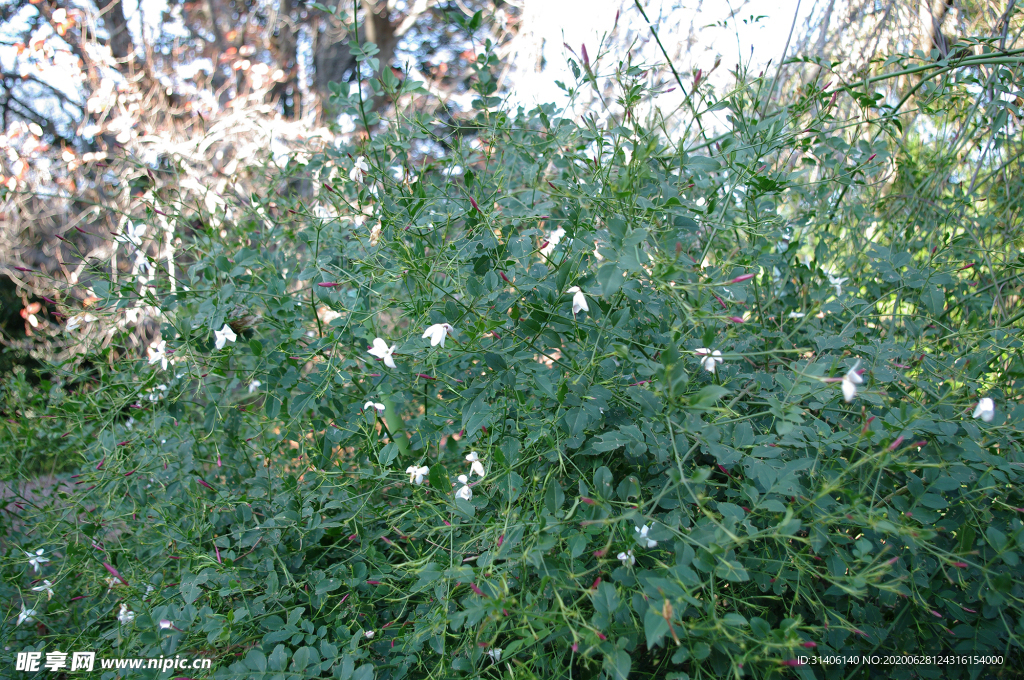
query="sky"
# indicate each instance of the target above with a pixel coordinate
(755, 35)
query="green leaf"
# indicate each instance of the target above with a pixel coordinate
(731, 570)
(327, 585)
(387, 454)
(609, 441)
(576, 420)
(606, 599)
(934, 299)
(554, 497)
(495, 361)
(256, 346)
(439, 479)
(256, 660)
(364, 672)
(707, 396)
(610, 276)
(477, 415)
(278, 658)
(617, 665)
(655, 627)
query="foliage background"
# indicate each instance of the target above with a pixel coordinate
(247, 495)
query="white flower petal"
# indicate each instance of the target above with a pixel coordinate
(224, 336)
(986, 409)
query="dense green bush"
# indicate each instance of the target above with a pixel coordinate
(728, 399)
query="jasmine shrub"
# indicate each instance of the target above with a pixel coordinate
(562, 399)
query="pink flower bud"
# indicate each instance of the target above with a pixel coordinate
(960, 565)
(374, 583)
(327, 285)
(809, 644)
(477, 590)
(792, 662)
(936, 614)
(588, 501)
(200, 480)
(735, 319)
(743, 277)
(895, 444)
(114, 573)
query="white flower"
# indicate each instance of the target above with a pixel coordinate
(47, 587)
(369, 634)
(78, 319)
(254, 385)
(26, 615)
(554, 238)
(157, 353)
(495, 654)
(643, 536)
(627, 558)
(709, 358)
(130, 422)
(125, 616)
(850, 382)
(476, 467)
(224, 336)
(986, 409)
(356, 175)
(166, 624)
(381, 350)
(153, 394)
(132, 234)
(437, 333)
(838, 283)
(36, 559)
(579, 301)
(373, 404)
(465, 492)
(417, 474)
(375, 234)
(796, 315)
